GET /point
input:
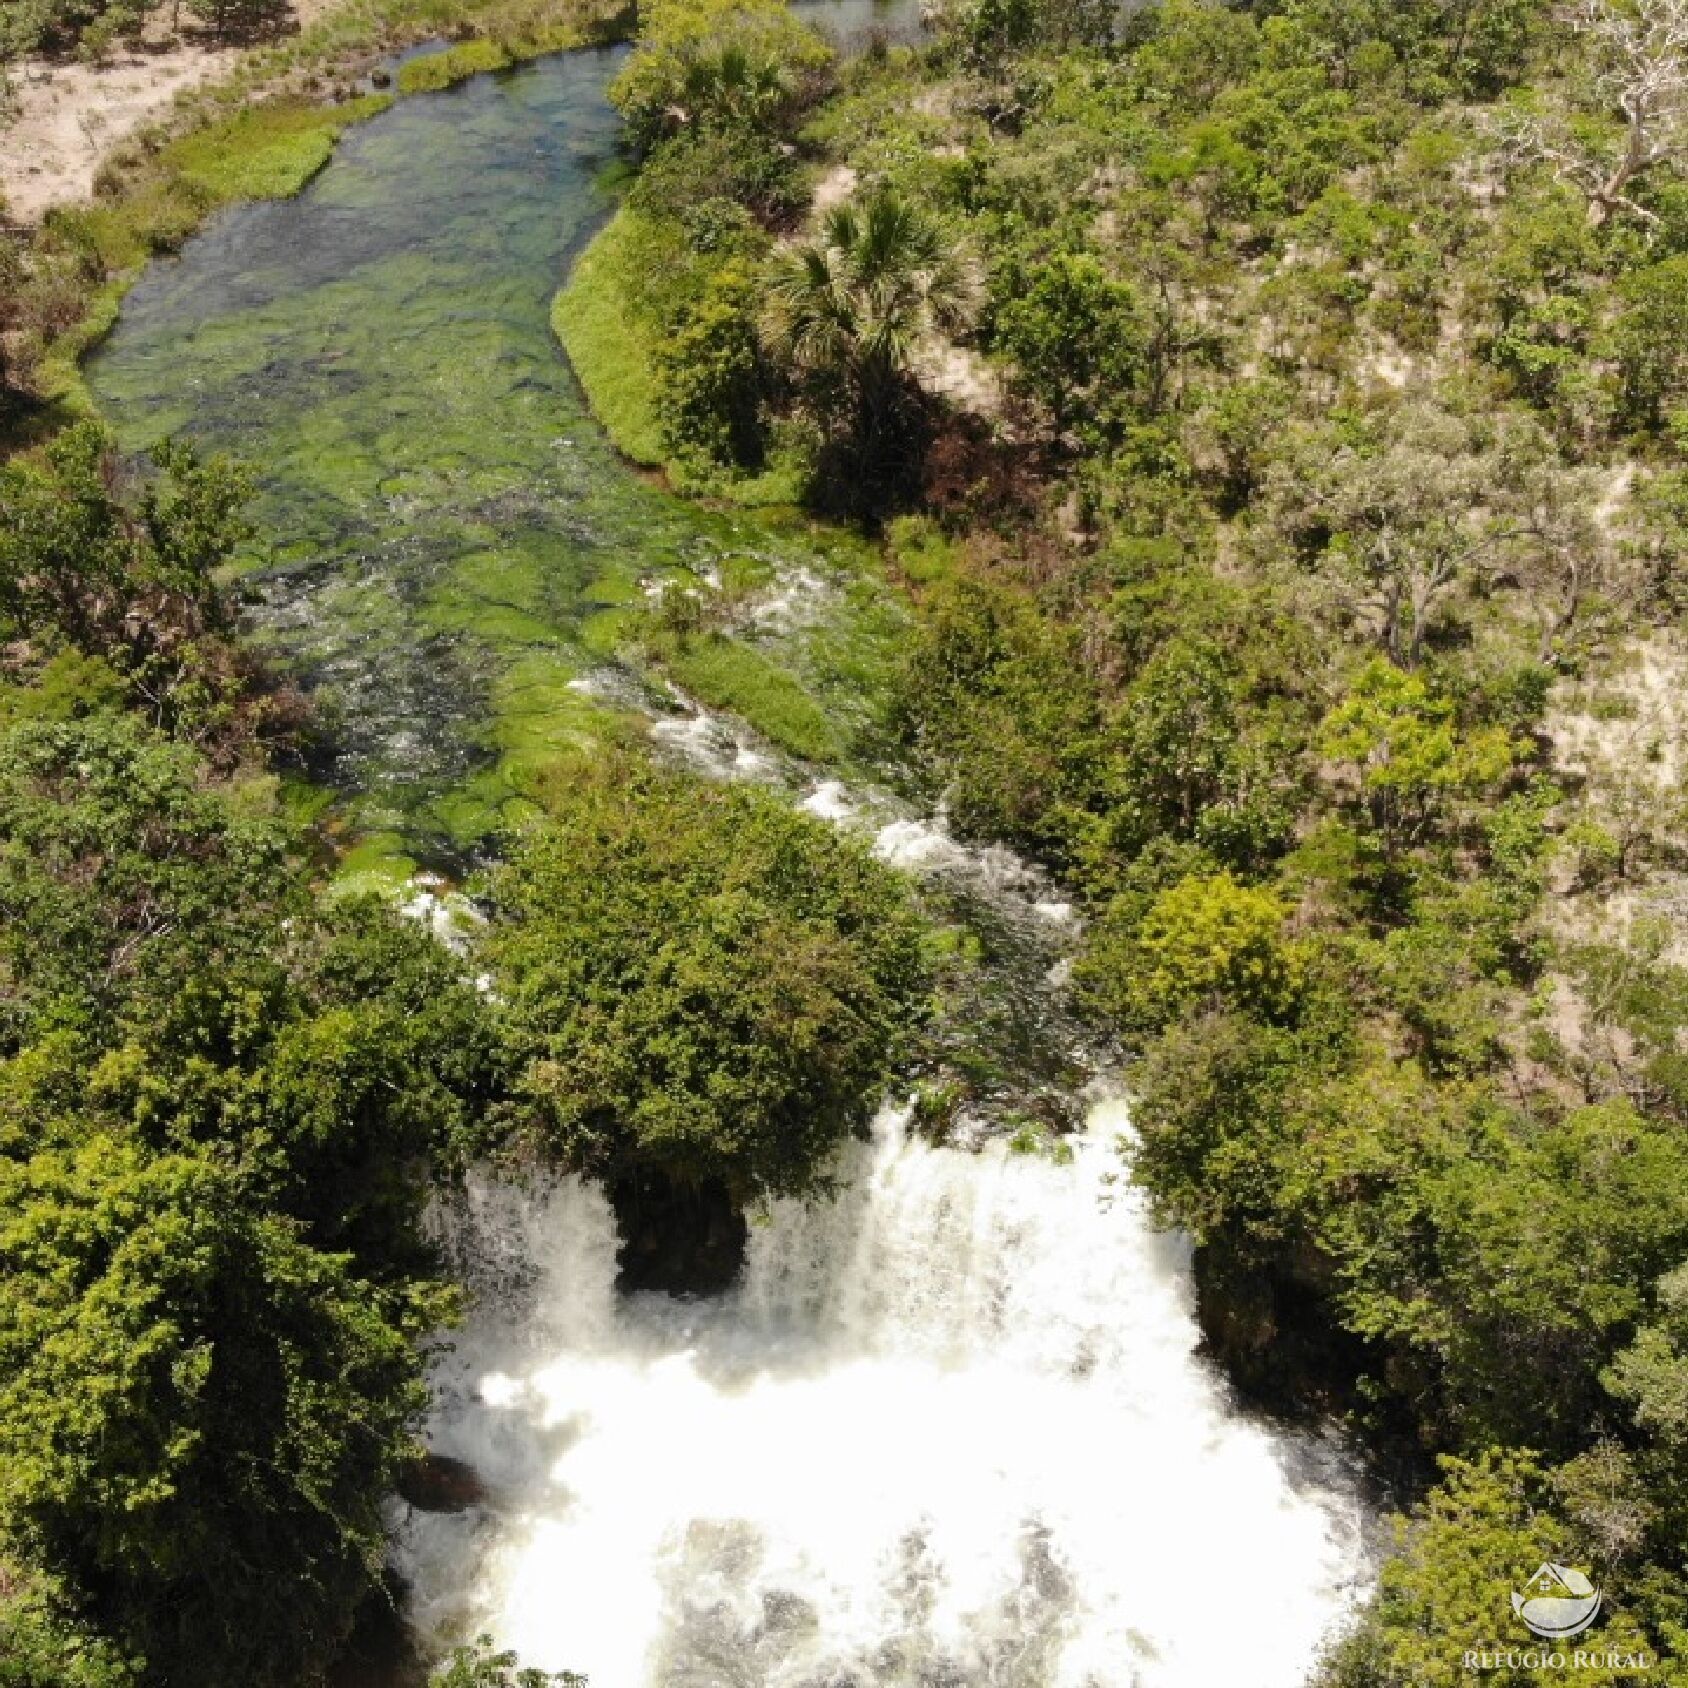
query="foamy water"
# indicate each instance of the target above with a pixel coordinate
(950, 1430)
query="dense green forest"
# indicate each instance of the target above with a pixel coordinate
(1275, 417)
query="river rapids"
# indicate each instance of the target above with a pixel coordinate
(950, 1430)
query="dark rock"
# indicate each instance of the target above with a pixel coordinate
(438, 1483)
(381, 1651)
(682, 1239)
(1271, 1323)
(1236, 1305)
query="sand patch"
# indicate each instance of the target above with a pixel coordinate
(959, 374)
(834, 188)
(69, 116)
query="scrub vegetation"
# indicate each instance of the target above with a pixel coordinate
(758, 363)
(1296, 544)
(1275, 419)
(91, 27)
(700, 978)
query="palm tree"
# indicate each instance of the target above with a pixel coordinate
(849, 310)
(733, 85)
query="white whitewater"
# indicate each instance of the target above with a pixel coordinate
(951, 1432)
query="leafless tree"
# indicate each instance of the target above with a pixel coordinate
(1640, 76)
(1406, 515)
(1556, 529)
(1433, 500)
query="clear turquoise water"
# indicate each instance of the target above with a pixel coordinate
(446, 539)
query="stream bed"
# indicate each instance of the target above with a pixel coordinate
(447, 541)
(952, 1430)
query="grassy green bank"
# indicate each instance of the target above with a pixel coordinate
(608, 343)
(609, 317)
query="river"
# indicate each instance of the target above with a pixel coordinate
(953, 1429)
(447, 543)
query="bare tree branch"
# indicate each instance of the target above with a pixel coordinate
(1640, 77)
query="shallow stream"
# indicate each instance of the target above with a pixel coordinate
(447, 540)
(952, 1430)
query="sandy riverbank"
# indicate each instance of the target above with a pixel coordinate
(67, 116)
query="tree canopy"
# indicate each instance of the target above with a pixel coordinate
(699, 980)
(221, 1099)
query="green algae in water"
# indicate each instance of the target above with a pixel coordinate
(446, 539)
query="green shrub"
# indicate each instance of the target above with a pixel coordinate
(1652, 342)
(710, 376)
(1076, 339)
(699, 981)
(696, 176)
(1206, 939)
(702, 64)
(481, 1665)
(995, 704)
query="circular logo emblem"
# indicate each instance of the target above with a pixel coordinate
(1558, 1603)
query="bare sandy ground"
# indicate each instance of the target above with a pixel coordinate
(68, 116)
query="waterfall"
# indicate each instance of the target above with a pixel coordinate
(951, 1429)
